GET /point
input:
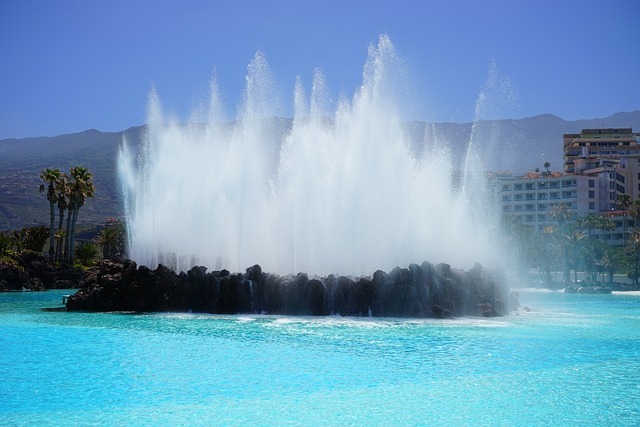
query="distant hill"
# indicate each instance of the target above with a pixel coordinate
(518, 145)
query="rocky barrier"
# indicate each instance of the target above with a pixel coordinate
(424, 290)
(33, 272)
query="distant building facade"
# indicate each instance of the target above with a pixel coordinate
(531, 197)
(616, 150)
(599, 166)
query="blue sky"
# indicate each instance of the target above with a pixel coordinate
(67, 66)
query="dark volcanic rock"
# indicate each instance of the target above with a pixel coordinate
(13, 278)
(416, 291)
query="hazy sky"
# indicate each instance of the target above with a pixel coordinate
(67, 66)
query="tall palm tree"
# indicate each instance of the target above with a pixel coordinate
(562, 213)
(612, 258)
(81, 188)
(546, 166)
(50, 178)
(62, 189)
(634, 248)
(624, 202)
(570, 242)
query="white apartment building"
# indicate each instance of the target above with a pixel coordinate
(531, 197)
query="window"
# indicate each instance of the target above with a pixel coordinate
(620, 178)
(529, 186)
(517, 208)
(620, 188)
(542, 185)
(542, 217)
(542, 207)
(529, 218)
(592, 194)
(505, 198)
(529, 207)
(519, 186)
(529, 196)
(553, 196)
(542, 196)
(592, 183)
(505, 188)
(517, 197)
(554, 184)
(592, 205)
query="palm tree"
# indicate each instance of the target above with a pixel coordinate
(634, 210)
(570, 242)
(81, 188)
(546, 166)
(62, 189)
(624, 202)
(111, 240)
(634, 248)
(612, 257)
(562, 213)
(50, 177)
(589, 222)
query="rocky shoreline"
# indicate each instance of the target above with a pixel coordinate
(31, 271)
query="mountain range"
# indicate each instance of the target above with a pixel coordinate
(523, 145)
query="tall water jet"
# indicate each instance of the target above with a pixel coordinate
(342, 190)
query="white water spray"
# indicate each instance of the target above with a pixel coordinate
(341, 191)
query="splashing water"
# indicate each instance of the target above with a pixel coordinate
(343, 191)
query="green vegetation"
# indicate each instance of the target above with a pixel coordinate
(68, 193)
(112, 240)
(576, 244)
(86, 254)
(51, 178)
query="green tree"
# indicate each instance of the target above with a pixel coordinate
(589, 222)
(81, 187)
(86, 253)
(62, 190)
(5, 244)
(50, 178)
(612, 259)
(112, 240)
(633, 249)
(562, 213)
(30, 238)
(35, 238)
(624, 202)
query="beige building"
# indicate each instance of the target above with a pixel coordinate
(612, 150)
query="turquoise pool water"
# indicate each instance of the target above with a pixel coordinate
(571, 360)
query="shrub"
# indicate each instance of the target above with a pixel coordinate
(86, 253)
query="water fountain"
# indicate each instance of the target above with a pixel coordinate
(342, 190)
